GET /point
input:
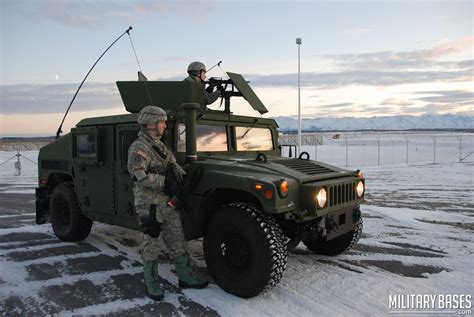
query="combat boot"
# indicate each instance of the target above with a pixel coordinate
(186, 276)
(150, 270)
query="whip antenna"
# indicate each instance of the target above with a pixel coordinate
(67, 111)
(223, 71)
(218, 64)
(140, 68)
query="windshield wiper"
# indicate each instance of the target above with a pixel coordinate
(250, 128)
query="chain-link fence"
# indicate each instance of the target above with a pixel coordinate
(23, 144)
(365, 149)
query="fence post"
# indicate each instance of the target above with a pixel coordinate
(434, 150)
(18, 162)
(460, 148)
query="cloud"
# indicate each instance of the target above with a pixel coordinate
(448, 96)
(367, 110)
(461, 45)
(87, 14)
(36, 99)
(436, 108)
(469, 112)
(362, 110)
(333, 106)
(407, 59)
(384, 68)
(92, 14)
(362, 77)
(397, 102)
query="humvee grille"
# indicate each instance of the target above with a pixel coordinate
(306, 167)
(341, 194)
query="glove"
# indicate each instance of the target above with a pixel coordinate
(149, 225)
(210, 89)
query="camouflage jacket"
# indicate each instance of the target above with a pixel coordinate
(210, 97)
(147, 169)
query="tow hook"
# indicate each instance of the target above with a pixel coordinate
(331, 225)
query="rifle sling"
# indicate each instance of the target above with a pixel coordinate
(160, 152)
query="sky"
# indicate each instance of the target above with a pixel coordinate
(357, 58)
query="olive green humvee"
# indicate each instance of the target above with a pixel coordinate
(249, 203)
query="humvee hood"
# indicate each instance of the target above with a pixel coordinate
(302, 170)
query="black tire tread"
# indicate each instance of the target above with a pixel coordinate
(274, 241)
(277, 242)
(81, 225)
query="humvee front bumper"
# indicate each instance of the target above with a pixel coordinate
(340, 222)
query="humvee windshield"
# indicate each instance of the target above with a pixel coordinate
(209, 138)
(253, 139)
(213, 138)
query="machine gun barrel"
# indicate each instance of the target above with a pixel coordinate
(213, 81)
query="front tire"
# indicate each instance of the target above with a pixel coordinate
(335, 246)
(244, 250)
(67, 220)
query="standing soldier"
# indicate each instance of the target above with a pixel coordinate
(148, 160)
(197, 73)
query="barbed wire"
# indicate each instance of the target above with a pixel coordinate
(8, 159)
(18, 155)
(28, 159)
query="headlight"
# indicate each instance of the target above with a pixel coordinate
(322, 197)
(360, 189)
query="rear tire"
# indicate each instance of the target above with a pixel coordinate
(67, 220)
(244, 250)
(335, 246)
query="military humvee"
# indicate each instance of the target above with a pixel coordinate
(249, 203)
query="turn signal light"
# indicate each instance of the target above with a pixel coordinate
(269, 194)
(284, 187)
(258, 186)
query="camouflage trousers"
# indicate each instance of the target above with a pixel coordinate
(171, 232)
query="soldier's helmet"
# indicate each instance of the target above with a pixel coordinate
(195, 68)
(151, 115)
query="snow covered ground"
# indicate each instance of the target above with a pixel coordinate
(418, 239)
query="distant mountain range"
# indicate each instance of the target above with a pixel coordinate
(424, 122)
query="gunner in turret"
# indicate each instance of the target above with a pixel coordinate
(197, 73)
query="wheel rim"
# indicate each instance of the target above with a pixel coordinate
(235, 252)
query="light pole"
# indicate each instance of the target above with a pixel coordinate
(298, 42)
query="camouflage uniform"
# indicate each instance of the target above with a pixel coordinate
(193, 70)
(147, 166)
(210, 97)
(149, 191)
